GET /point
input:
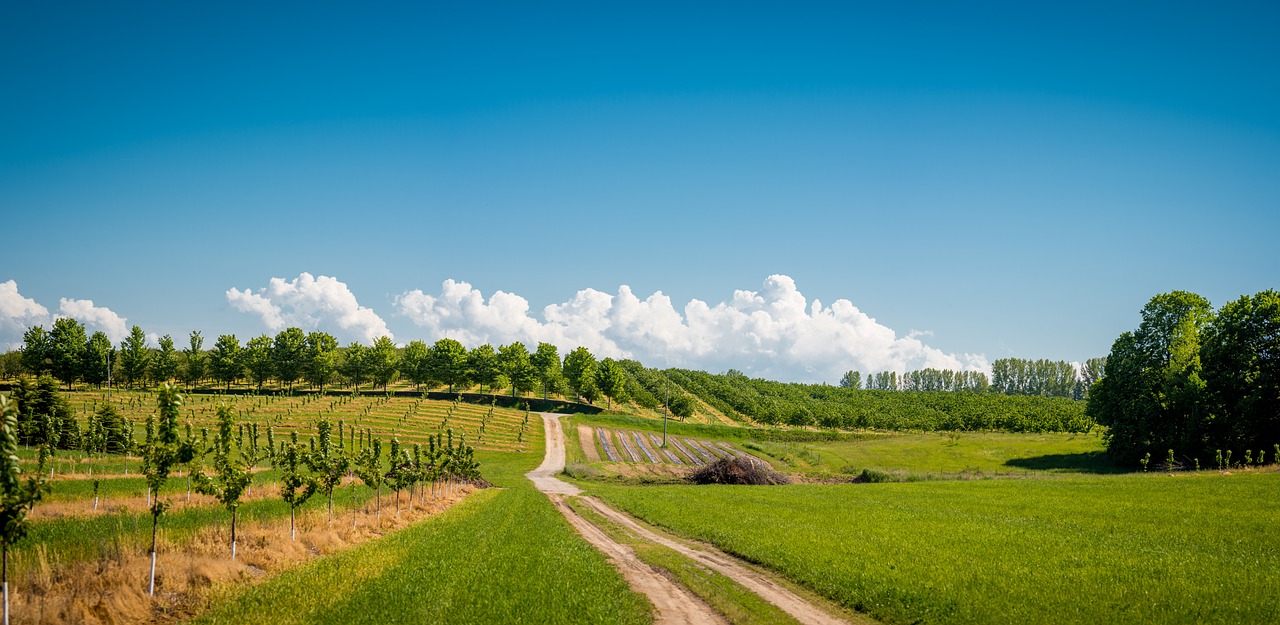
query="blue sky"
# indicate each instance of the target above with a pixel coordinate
(1004, 179)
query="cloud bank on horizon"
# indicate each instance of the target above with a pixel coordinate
(775, 332)
(17, 313)
(311, 303)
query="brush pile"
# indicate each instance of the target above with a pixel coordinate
(738, 470)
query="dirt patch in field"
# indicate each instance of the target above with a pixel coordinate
(188, 577)
(587, 437)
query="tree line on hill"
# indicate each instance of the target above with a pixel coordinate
(1009, 376)
(822, 405)
(1190, 382)
(294, 356)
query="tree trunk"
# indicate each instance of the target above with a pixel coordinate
(4, 555)
(151, 587)
(330, 507)
(233, 535)
(293, 535)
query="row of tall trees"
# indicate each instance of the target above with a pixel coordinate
(292, 356)
(1009, 376)
(1193, 380)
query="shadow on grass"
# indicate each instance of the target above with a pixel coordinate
(1088, 462)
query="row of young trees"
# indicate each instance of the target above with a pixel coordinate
(306, 469)
(1193, 380)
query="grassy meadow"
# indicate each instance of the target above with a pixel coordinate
(1139, 548)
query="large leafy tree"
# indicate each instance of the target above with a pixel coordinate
(482, 365)
(164, 366)
(355, 364)
(37, 347)
(288, 355)
(1242, 370)
(415, 363)
(612, 381)
(97, 358)
(134, 358)
(67, 343)
(321, 358)
(1152, 398)
(580, 370)
(851, 379)
(513, 361)
(449, 362)
(257, 359)
(546, 361)
(225, 361)
(383, 362)
(197, 362)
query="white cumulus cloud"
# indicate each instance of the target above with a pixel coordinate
(17, 313)
(94, 318)
(774, 332)
(311, 303)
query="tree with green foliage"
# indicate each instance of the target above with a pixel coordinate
(321, 359)
(449, 363)
(482, 366)
(296, 485)
(37, 348)
(231, 477)
(513, 361)
(612, 381)
(196, 362)
(97, 358)
(355, 365)
(580, 371)
(289, 355)
(328, 464)
(67, 343)
(1153, 395)
(383, 362)
(225, 362)
(163, 450)
(134, 358)
(1241, 360)
(164, 365)
(18, 496)
(546, 362)
(415, 363)
(258, 361)
(109, 427)
(368, 467)
(851, 379)
(400, 474)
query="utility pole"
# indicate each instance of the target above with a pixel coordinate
(666, 405)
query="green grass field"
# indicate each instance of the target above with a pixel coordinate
(1143, 548)
(502, 556)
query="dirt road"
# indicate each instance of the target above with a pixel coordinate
(673, 603)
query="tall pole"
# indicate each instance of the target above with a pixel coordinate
(108, 374)
(665, 406)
